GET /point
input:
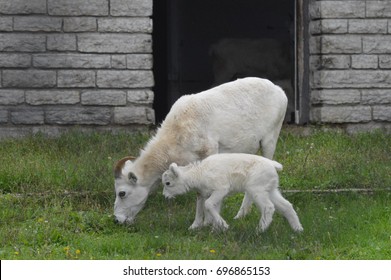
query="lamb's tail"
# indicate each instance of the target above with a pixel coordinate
(277, 165)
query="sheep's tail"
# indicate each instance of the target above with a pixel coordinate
(277, 165)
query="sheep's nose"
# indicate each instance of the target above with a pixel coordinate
(116, 221)
(121, 194)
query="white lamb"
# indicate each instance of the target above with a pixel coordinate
(233, 117)
(218, 175)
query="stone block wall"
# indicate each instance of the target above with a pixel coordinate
(350, 63)
(70, 62)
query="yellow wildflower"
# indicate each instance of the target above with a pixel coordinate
(158, 255)
(212, 251)
(78, 252)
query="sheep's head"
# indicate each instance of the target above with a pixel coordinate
(172, 182)
(130, 194)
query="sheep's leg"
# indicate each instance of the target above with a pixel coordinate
(266, 207)
(199, 213)
(245, 207)
(212, 205)
(269, 142)
(285, 208)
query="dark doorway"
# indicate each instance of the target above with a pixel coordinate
(203, 43)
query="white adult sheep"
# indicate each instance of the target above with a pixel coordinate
(233, 117)
(220, 174)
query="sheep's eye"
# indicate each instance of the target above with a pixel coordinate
(167, 183)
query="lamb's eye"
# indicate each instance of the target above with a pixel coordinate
(121, 194)
(167, 183)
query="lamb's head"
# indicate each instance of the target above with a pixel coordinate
(130, 194)
(172, 181)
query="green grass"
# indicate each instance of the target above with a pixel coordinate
(56, 200)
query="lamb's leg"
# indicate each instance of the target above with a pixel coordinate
(245, 207)
(208, 218)
(266, 207)
(212, 205)
(285, 208)
(198, 222)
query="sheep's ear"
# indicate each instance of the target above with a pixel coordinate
(132, 177)
(174, 169)
(121, 165)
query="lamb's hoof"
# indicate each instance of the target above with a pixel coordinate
(298, 229)
(194, 227)
(260, 229)
(238, 216)
(220, 228)
(241, 214)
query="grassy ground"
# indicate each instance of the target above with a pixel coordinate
(56, 200)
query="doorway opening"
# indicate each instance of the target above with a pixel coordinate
(201, 44)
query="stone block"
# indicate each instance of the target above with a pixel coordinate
(115, 43)
(380, 44)
(130, 25)
(345, 44)
(6, 24)
(27, 116)
(329, 26)
(61, 42)
(11, 97)
(341, 114)
(52, 97)
(118, 61)
(23, 6)
(76, 78)
(124, 79)
(330, 62)
(336, 96)
(78, 8)
(385, 61)
(3, 116)
(29, 78)
(8, 60)
(368, 26)
(368, 127)
(315, 45)
(80, 24)
(341, 9)
(22, 42)
(133, 115)
(139, 61)
(382, 113)
(14, 132)
(140, 96)
(35, 24)
(378, 9)
(376, 96)
(352, 79)
(365, 61)
(104, 97)
(314, 10)
(71, 60)
(78, 116)
(131, 7)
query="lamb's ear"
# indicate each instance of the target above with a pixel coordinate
(174, 169)
(132, 177)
